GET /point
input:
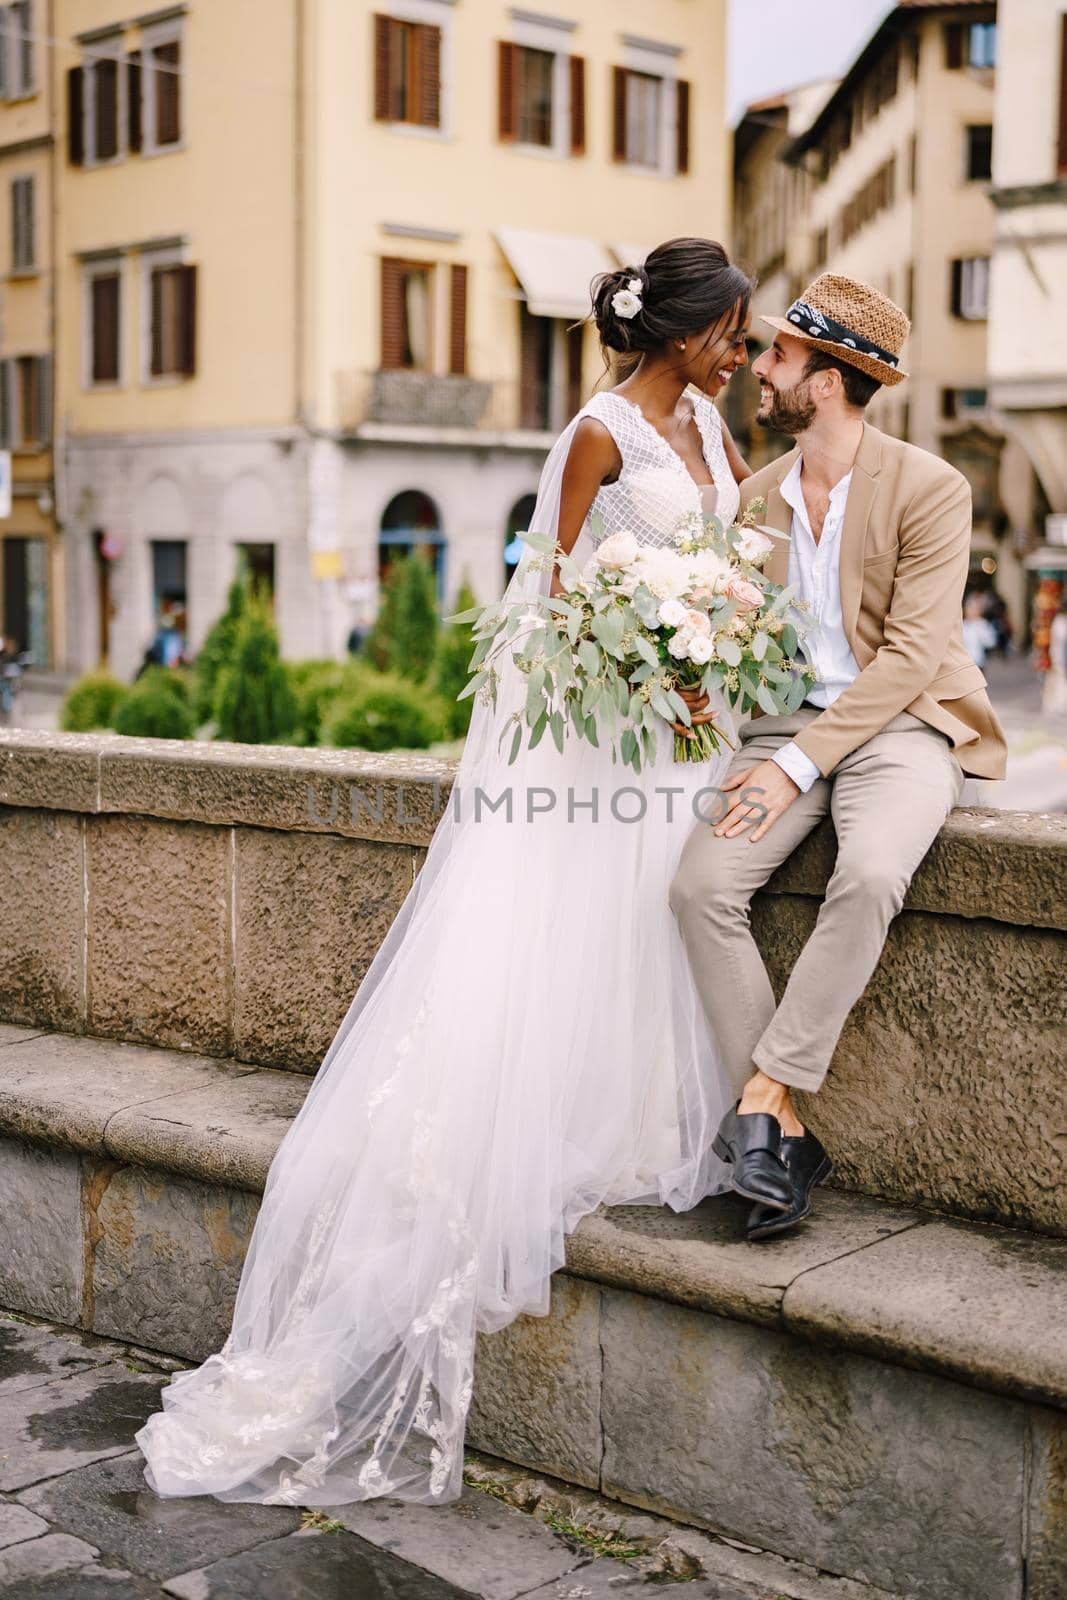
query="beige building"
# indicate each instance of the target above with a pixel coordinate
(30, 554)
(900, 162)
(317, 270)
(1028, 297)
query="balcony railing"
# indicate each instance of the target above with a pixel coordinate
(402, 398)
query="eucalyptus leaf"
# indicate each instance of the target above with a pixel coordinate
(729, 650)
(555, 723)
(759, 645)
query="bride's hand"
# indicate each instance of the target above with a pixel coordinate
(697, 701)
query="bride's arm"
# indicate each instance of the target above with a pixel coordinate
(592, 459)
(738, 465)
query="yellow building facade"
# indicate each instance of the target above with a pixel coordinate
(899, 158)
(31, 559)
(317, 265)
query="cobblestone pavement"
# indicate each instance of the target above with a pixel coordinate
(1037, 743)
(78, 1521)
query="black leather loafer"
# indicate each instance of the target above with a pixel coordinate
(808, 1165)
(751, 1144)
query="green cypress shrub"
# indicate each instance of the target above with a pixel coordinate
(156, 707)
(404, 637)
(92, 701)
(389, 713)
(217, 650)
(317, 685)
(254, 701)
(451, 673)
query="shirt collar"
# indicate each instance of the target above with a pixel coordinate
(793, 494)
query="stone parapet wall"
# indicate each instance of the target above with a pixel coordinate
(227, 899)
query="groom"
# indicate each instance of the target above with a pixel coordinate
(879, 536)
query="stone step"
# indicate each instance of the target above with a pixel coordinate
(880, 1393)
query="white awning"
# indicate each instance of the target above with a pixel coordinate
(554, 269)
(629, 255)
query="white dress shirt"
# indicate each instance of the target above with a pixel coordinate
(816, 570)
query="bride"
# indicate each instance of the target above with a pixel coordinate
(527, 1044)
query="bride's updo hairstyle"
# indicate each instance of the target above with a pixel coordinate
(685, 284)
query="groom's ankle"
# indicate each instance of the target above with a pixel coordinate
(762, 1093)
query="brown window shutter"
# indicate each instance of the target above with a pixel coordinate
(457, 331)
(106, 94)
(134, 137)
(957, 288)
(167, 66)
(954, 41)
(531, 396)
(187, 326)
(44, 399)
(507, 97)
(75, 116)
(392, 313)
(577, 106)
(382, 40)
(1061, 143)
(682, 162)
(105, 329)
(618, 114)
(155, 362)
(429, 76)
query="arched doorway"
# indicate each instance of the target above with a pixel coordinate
(412, 522)
(518, 522)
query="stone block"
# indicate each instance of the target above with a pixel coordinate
(311, 912)
(56, 771)
(225, 1129)
(70, 1422)
(949, 1297)
(701, 1257)
(1046, 1568)
(42, 1264)
(160, 956)
(25, 1566)
(890, 1477)
(31, 1356)
(167, 1259)
(485, 1548)
(537, 1387)
(326, 1566)
(949, 1061)
(42, 962)
(352, 793)
(110, 1505)
(17, 1524)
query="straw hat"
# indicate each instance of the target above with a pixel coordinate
(852, 321)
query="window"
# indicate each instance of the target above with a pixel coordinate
(541, 99)
(423, 316)
(962, 402)
(104, 108)
(104, 325)
(161, 108)
(411, 525)
(979, 150)
(171, 308)
(16, 50)
(407, 72)
(23, 252)
(651, 120)
(972, 44)
(970, 288)
(25, 402)
(550, 371)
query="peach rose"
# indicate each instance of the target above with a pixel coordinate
(748, 595)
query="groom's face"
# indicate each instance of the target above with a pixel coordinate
(786, 403)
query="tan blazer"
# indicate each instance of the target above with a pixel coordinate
(905, 550)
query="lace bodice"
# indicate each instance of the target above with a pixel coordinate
(655, 488)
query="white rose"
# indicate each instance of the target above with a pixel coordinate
(701, 650)
(698, 621)
(753, 546)
(708, 573)
(679, 646)
(672, 613)
(625, 303)
(618, 550)
(664, 571)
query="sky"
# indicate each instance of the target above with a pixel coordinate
(778, 44)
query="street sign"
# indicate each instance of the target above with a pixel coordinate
(5, 483)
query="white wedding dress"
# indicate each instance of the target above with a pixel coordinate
(526, 1045)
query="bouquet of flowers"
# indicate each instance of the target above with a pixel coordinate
(636, 624)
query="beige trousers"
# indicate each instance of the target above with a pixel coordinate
(888, 800)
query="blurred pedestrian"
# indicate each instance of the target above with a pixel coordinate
(1054, 695)
(979, 634)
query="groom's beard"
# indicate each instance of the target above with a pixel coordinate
(791, 411)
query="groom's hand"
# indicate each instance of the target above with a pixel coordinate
(767, 791)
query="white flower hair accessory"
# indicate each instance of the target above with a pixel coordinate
(627, 302)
